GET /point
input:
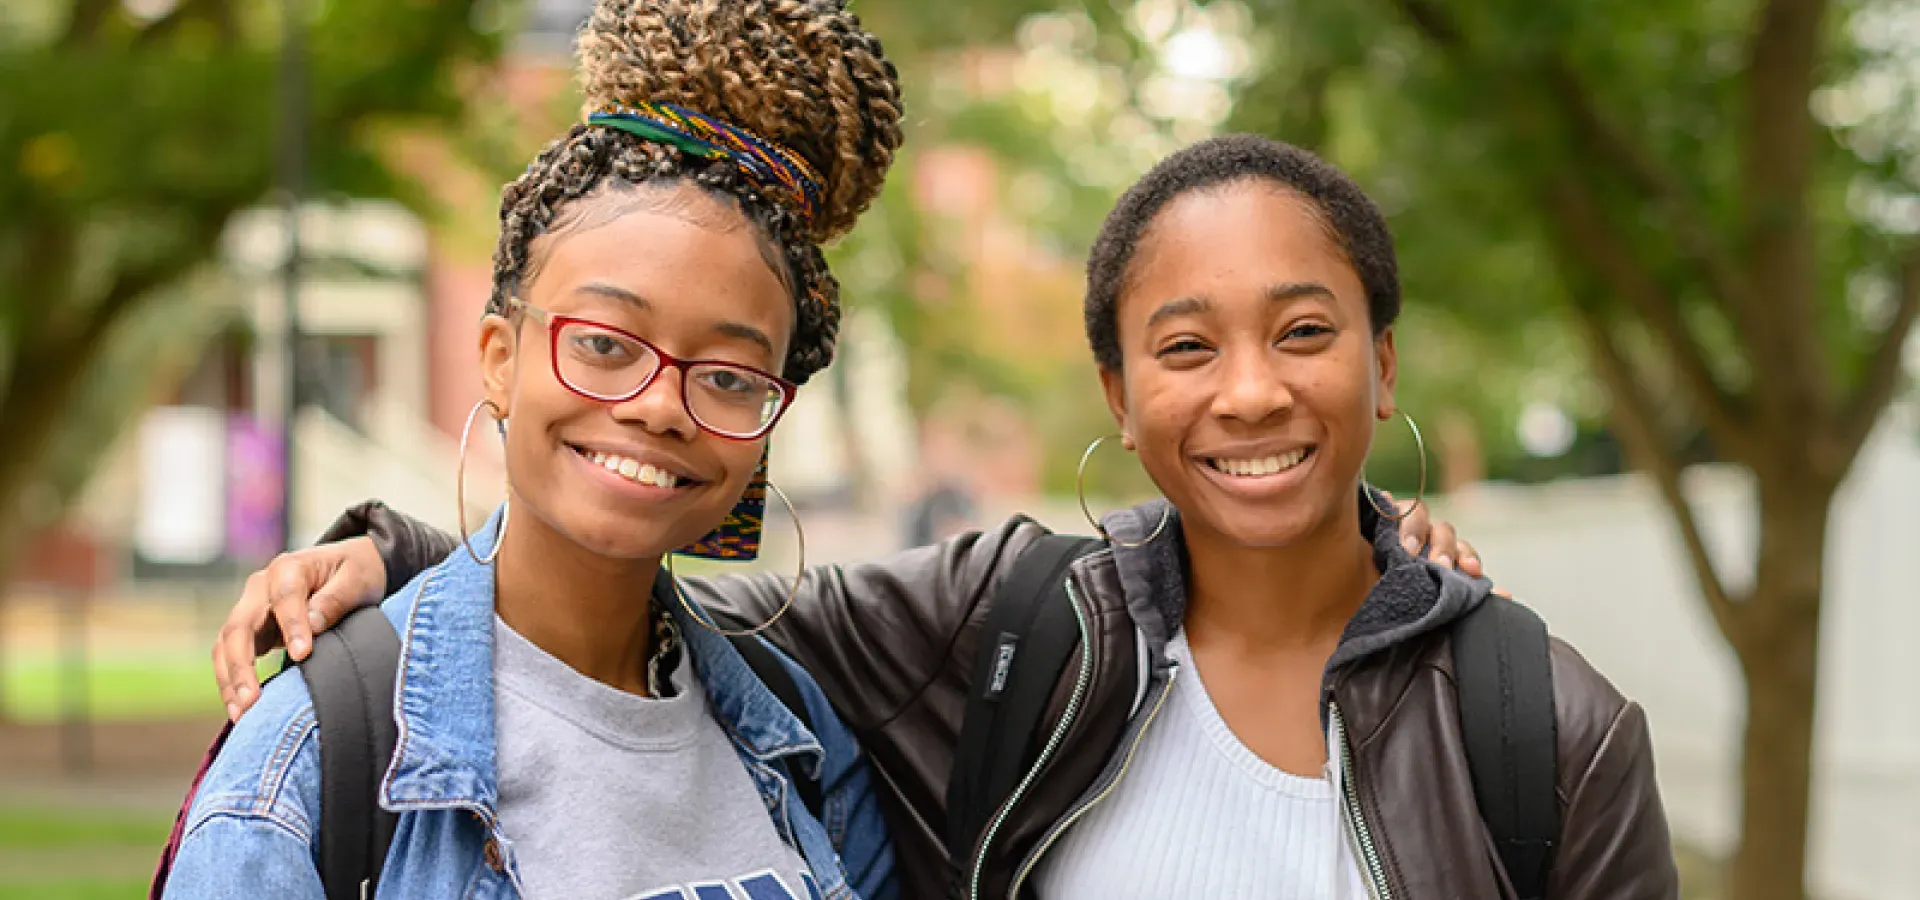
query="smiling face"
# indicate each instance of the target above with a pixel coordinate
(1250, 376)
(637, 478)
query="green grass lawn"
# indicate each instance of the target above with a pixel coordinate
(84, 889)
(69, 855)
(122, 688)
(95, 854)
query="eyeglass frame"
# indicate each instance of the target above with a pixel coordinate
(555, 321)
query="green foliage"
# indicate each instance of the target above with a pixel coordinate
(125, 147)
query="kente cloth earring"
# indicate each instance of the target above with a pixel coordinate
(704, 618)
(737, 538)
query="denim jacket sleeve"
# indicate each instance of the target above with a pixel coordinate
(251, 830)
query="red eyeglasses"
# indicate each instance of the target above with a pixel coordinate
(601, 362)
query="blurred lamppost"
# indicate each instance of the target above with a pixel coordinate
(293, 167)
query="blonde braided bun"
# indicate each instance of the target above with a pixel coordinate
(800, 73)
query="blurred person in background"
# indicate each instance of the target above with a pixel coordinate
(943, 510)
(945, 503)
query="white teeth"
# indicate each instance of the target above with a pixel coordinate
(634, 470)
(1269, 465)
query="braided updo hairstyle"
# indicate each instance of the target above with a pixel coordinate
(800, 73)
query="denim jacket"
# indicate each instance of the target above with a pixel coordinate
(251, 828)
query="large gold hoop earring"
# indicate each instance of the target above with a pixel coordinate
(1420, 444)
(460, 487)
(1080, 490)
(699, 616)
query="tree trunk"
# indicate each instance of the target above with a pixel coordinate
(24, 444)
(1779, 650)
(10, 541)
(40, 392)
(1462, 458)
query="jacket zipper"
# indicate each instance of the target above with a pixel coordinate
(1080, 685)
(1061, 827)
(1369, 854)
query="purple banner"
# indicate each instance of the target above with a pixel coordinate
(254, 474)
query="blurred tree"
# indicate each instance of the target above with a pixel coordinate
(132, 132)
(1722, 200)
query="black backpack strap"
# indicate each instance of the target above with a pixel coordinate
(1505, 684)
(350, 675)
(1028, 636)
(767, 666)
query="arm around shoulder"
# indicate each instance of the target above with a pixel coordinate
(875, 635)
(407, 545)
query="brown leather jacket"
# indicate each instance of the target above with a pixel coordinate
(892, 644)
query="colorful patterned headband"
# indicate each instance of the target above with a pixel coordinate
(776, 170)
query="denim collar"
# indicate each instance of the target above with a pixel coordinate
(444, 704)
(760, 723)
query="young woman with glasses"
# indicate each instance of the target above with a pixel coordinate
(569, 725)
